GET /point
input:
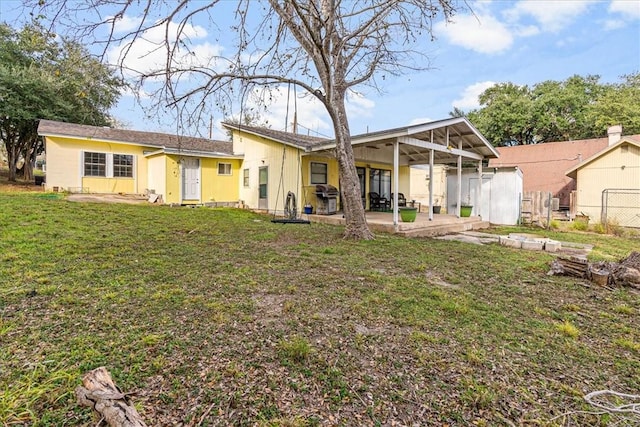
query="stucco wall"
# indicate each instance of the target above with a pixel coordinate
(64, 157)
(616, 169)
(260, 152)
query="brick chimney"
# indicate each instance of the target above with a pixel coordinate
(615, 133)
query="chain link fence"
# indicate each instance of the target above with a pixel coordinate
(621, 206)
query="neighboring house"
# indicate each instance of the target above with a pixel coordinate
(421, 181)
(608, 183)
(544, 166)
(181, 170)
(277, 162)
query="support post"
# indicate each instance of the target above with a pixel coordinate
(396, 165)
(478, 201)
(431, 155)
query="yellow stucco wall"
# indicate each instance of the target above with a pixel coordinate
(617, 169)
(220, 188)
(284, 173)
(157, 174)
(213, 187)
(65, 167)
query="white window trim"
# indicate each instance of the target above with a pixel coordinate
(108, 166)
(311, 173)
(247, 183)
(230, 169)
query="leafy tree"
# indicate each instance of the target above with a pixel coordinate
(506, 116)
(42, 78)
(577, 108)
(326, 47)
(618, 104)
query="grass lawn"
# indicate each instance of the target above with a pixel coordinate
(219, 317)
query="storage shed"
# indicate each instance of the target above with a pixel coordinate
(501, 193)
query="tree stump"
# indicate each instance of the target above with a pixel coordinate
(100, 393)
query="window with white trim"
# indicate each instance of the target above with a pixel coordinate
(224, 168)
(318, 173)
(108, 165)
(123, 166)
(95, 164)
(245, 177)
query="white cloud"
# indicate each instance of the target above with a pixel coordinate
(552, 15)
(614, 24)
(629, 8)
(470, 95)
(359, 106)
(125, 24)
(279, 112)
(148, 53)
(482, 34)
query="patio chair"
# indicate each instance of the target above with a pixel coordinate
(401, 199)
(377, 203)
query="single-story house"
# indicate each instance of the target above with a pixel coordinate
(260, 165)
(179, 169)
(608, 183)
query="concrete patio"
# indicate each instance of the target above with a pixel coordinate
(422, 227)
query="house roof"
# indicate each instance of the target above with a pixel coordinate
(288, 138)
(416, 141)
(169, 143)
(573, 172)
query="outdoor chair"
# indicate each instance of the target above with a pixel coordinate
(377, 203)
(401, 200)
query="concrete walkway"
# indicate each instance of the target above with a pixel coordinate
(421, 227)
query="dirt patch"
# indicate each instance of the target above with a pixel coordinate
(108, 198)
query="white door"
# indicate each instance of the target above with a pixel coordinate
(190, 179)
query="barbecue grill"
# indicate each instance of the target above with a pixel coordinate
(327, 199)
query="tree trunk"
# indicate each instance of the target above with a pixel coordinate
(12, 160)
(27, 169)
(356, 223)
(100, 393)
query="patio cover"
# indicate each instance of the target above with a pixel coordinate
(449, 141)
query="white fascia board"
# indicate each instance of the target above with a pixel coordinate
(437, 147)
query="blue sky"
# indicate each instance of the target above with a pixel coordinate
(524, 42)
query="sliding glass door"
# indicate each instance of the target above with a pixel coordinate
(380, 182)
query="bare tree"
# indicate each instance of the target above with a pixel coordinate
(327, 47)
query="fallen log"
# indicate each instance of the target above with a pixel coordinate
(100, 392)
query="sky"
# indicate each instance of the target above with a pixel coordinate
(522, 42)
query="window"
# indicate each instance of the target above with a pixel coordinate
(95, 164)
(318, 173)
(123, 165)
(224, 168)
(245, 177)
(108, 165)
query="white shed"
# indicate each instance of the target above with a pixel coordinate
(501, 193)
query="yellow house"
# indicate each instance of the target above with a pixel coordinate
(182, 170)
(276, 163)
(608, 184)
